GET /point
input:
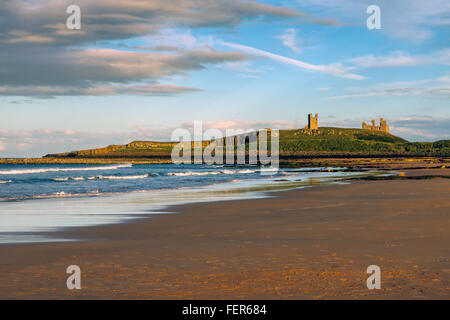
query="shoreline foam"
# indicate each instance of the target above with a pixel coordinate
(80, 210)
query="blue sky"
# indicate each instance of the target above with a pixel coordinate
(140, 72)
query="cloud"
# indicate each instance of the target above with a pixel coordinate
(244, 124)
(401, 59)
(336, 69)
(412, 20)
(76, 62)
(290, 39)
(436, 91)
(411, 128)
(439, 87)
(37, 143)
(98, 90)
(34, 22)
(103, 71)
(421, 128)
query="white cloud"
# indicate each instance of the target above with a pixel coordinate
(174, 38)
(435, 91)
(37, 143)
(245, 124)
(439, 87)
(290, 39)
(402, 59)
(413, 20)
(421, 128)
(336, 69)
(411, 128)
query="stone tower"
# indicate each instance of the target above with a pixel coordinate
(383, 125)
(313, 122)
(373, 127)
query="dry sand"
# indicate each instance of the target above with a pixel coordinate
(309, 243)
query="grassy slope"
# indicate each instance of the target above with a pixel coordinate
(299, 142)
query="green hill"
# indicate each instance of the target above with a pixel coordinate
(324, 142)
(338, 140)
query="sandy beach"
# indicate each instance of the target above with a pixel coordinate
(309, 243)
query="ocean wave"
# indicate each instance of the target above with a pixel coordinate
(269, 169)
(226, 171)
(61, 179)
(246, 171)
(5, 182)
(41, 170)
(190, 173)
(67, 179)
(143, 176)
(65, 194)
(102, 177)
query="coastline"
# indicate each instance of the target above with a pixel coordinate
(307, 243)
(382, 162)
(45, 160)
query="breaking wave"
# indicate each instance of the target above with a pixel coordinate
(5, 182)
(67, 179)
(190, 173)
(143, 176)
(61, 179)
(102, 177)
(40, 170)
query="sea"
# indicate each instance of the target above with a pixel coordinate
(38, 200)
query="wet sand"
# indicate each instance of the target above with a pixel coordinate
(308, 243)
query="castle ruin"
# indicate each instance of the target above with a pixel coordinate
(313, 122)
(382, 127)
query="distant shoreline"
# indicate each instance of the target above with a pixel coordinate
(350, 161)
(45, 160)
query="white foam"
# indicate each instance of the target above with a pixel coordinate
(205, 173)
(270, 169)
(5, 182)
(61, 179)
(25, 171)
(180, 174)
(246, 171)
(228, 171)
(123, 177)
(190, 173)
(67, 179)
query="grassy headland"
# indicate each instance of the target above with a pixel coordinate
(295, 145)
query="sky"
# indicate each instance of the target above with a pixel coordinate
(137, 70)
